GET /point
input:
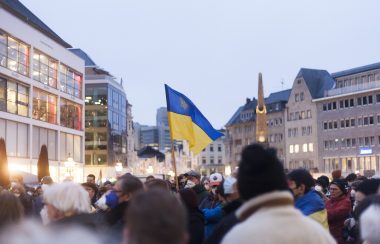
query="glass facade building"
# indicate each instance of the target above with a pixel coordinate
(105, 122)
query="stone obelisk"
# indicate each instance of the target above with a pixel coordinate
(261, 116)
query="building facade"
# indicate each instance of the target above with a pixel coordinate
(41, 95)
(105, 117)
(349, 116)
(241, 129)
(213, 158)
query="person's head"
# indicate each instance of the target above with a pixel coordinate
(155, 217)
(11, 209)
(336, 174)
(108, 185)
(300, 182)
(17, 189)
(206, 182)
(368, 214)
(366, 188)
(46, 180)
(323, 181)
(66, 199)
(91, 188)
(260, 172)
(193, 178)
(230, 189)
(337, 188)
(126, 187)
(215, 180)
(148, 178)
(157, 183)
(91, 178)
(189, 198)
(351, 178)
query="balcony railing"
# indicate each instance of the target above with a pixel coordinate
(354, 88)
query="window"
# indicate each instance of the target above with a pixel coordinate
(335, 124)
(311, 148)
(334, 105)
(325, 125)
(289, 132)
(211, 148)
(360, 121)
(297, 116)
(301, 96)
(212, 160)
(347, 123)
(71, 114)
(291, 149)
(324, 107)
(304, 147)
(342, 123)
(351, 102)
(341, 104)
(352, 122)
(203, 160)
(296, 148)
(14, 54)
(219, 148)
(359, 101)
(14, 97)
(303, 115)
(370, 120)
(353, 140)
(378, 98)
(370, 99)
(296, 97)
(70, 81)
(291, 116)
(346, 103)
(44, 106)
(308, 113)
(45, 69)
(364, 100)
(365, 120)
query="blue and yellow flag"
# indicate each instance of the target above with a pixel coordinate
(187, 122)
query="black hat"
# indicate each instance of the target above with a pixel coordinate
(260, 172)
(341, 184)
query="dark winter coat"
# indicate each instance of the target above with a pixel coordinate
(201, 192)
(195, 226)
(338, 210)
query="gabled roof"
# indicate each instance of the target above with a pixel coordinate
(20, 11)
(236, 118)
(280, 96)
(80, 53)
(318, 81)
(356, 70)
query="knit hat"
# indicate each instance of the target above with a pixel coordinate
(260, 172)
(341, 184)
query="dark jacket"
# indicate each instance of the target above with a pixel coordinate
(338, 210)
(27, 202)
(89, 221)
(201, 192)
(195, 226)
(228, 221)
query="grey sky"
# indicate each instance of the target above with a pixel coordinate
(212, 50)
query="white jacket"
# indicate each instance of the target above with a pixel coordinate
(275, 220)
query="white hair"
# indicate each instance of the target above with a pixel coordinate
(370, 224)
(68, 197)
(33, 233)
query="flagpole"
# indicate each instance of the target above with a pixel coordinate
(174, 167)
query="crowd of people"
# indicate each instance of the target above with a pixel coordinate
(259, 203)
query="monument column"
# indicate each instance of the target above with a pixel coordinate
(261, 116)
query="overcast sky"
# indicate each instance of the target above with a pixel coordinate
(213, 50)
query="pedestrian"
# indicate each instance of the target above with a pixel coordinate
(369, 214)
(338, 209)
(268, 214)
(193, 182)
(116, 202)
(155, 217)
(11, 209)
(195, 218)
(308, 200)
(26, 200)
(92, 190)
(231, 202)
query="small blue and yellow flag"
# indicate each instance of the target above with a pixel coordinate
(187, 122)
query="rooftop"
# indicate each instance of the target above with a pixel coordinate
(16, 8)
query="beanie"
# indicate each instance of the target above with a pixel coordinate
(341, 184)
(369, 187)
(260, 172)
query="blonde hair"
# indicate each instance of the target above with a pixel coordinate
(68, 197)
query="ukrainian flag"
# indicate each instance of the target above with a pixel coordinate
(187, 122)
